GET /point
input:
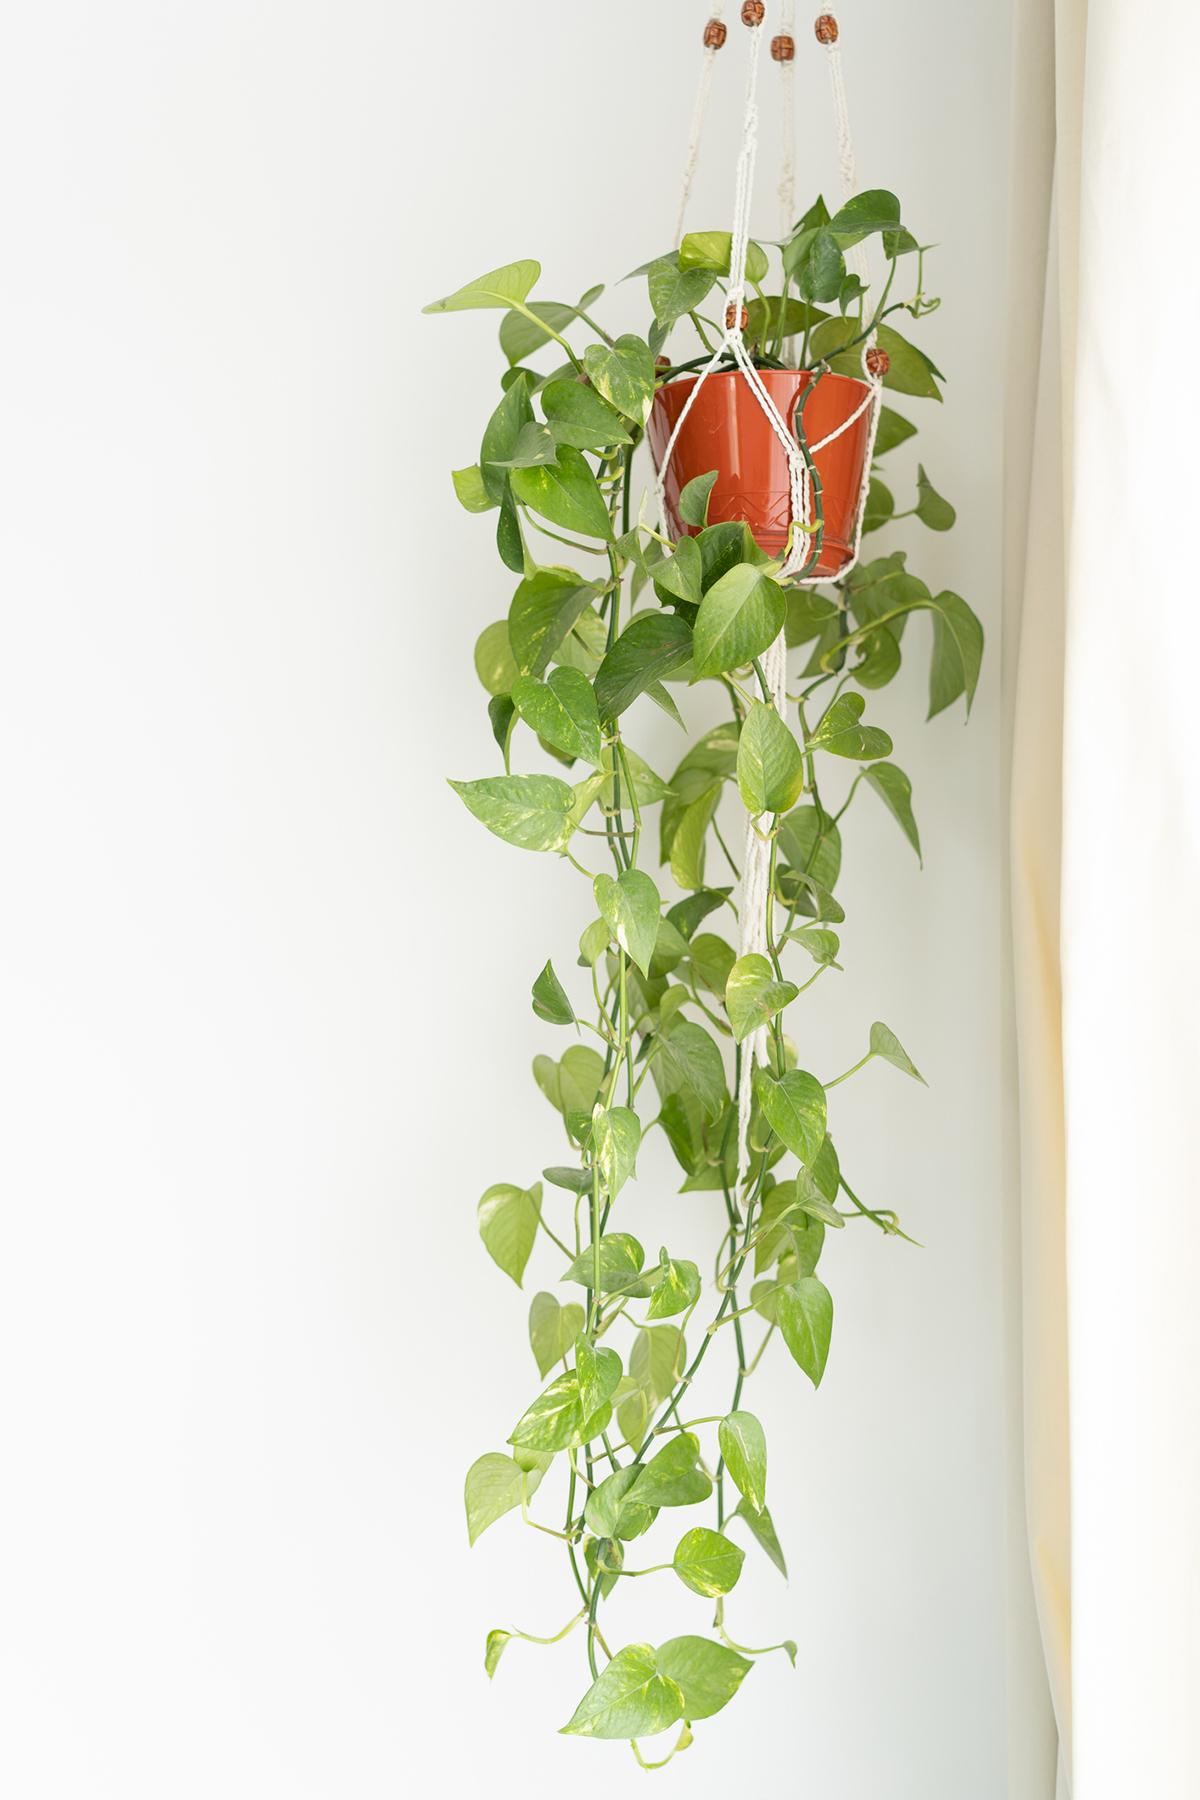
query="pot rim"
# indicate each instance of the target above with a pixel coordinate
(679, 381)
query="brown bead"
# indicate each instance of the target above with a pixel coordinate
(783, 47)
(878, 362)
(753, 12)
(742, 322)
(826, 28)
(715, 33)
(662, 362)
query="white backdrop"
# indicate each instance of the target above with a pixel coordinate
(266, 1022)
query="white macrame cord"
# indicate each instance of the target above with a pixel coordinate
(756, 867)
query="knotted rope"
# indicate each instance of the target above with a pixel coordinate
(756, 867)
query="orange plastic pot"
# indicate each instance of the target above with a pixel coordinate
(727, 430)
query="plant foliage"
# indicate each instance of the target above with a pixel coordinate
(620, 1335)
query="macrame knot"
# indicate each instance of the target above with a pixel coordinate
(715, 33)
(731, 312)
(753, 12)
(826, 28)
(783, 47)
(878, 362)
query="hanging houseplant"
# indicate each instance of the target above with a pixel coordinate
(765, 432)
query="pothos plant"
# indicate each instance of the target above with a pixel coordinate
(667, 1005)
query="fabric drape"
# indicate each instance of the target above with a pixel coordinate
(1104, 635)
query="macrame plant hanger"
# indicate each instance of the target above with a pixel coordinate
(756, 867)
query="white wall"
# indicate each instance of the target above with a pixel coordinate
(266, 986)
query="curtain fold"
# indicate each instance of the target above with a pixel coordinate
(1103, 625)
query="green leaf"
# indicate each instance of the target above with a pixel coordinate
(932, 509)
(885, 1044)
(713, 249)
(707, 1674)
(740, 616)
(630, 905)
(629, 1699)
(522, 336)
(895, 790)
(553, 1420)
(552, 1330)
(672, 1478)
(766, 317)
(893, 429)
(633, 1416)
(823, 946)
(508, 1222)
(550, 1000)
(621, 1259)
(597, 1371)
(880, 505)
(693, 1061)
(578, 416)
(794, 1108)
(544, 608)
(494, 663)
(687, 854)
(909, 369)
(685, 915)
(496, 1484)
(819, 268)
(957, 652)
(510, 544)
(762, 1528)
(610, 1515)
(804, 1311)
(500, 439)
(770, 765)
(616, 1135)
(677, 1291)
(753, 995)
(623, 373)
(561, 709)
(744, 1447)
(580, 1072)
(657, 1360)
(810, 840)
(470, 489)
(508, 286)
(785, 1230)
(711, 959)
(566, 493)
(694, 497)
(675, 291)
(530, 811)
(874, 210)
(533, 447)
(651, 646)
(707, 1562)
(838, 731)
(497, 1641)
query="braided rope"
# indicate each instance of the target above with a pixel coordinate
(699, 114)
(756, 866)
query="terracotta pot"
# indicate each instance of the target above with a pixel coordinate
(727, 430)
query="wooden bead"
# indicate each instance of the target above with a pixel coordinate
(826, 28)
(662, 362)
(715, 33)
(742, 322)
(753, 12)
(783, 47)
(878, 362)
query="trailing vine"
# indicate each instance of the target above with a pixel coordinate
(671, 1009)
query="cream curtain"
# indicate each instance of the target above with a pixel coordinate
(1103, 616)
